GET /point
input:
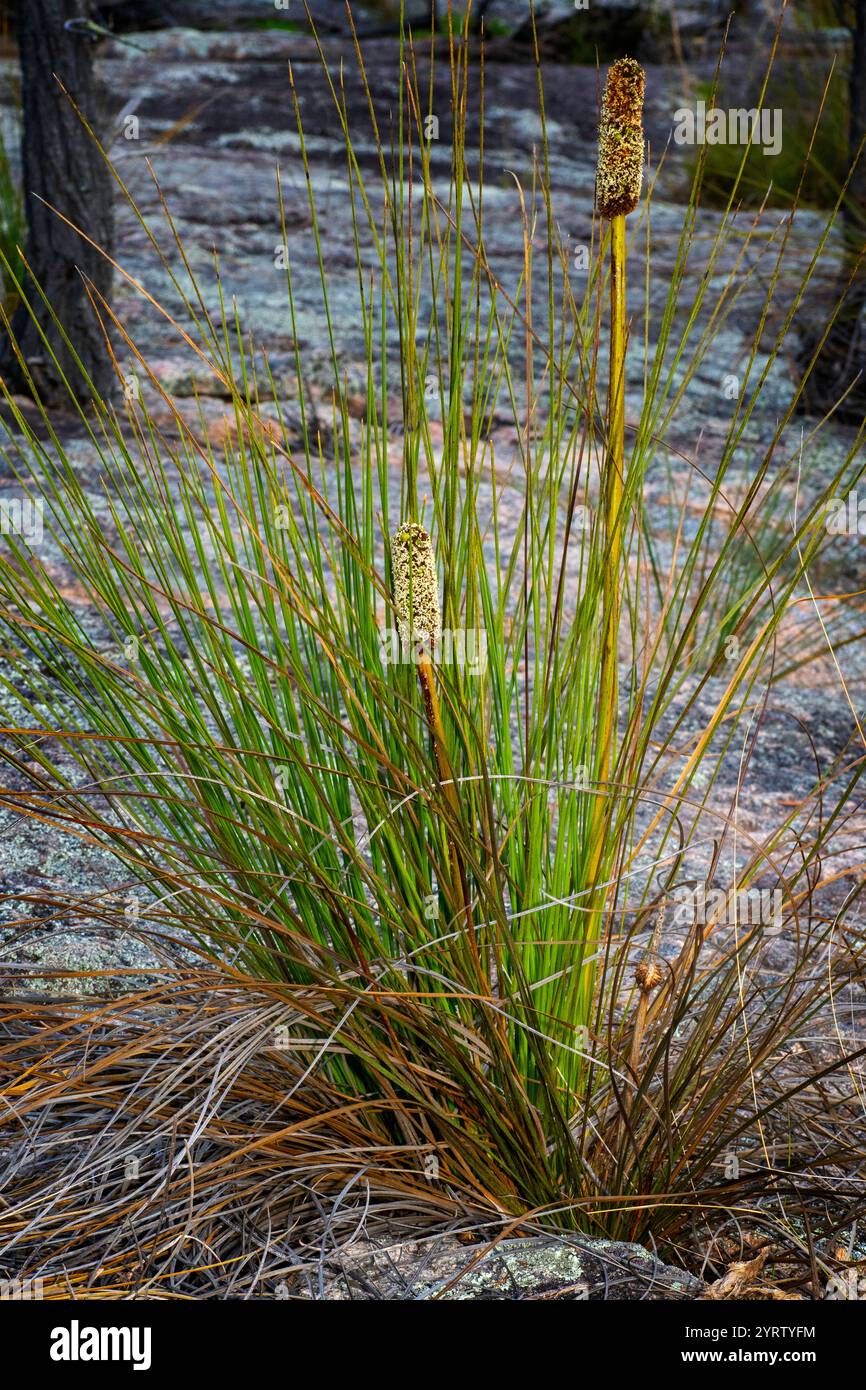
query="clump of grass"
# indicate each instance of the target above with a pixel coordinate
(776, 181)
(225, 720)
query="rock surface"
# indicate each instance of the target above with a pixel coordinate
(528, 1269)
(125, 16)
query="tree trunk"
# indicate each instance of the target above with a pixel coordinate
(844, 353)
(61, 165)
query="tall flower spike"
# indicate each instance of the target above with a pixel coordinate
(621, 140)
(416, 594)
(419, 619)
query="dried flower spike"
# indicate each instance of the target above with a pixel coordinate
(621, 140)
(416, 594)
(647, 976)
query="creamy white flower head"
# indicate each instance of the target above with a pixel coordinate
(416, 595)
(620, 139)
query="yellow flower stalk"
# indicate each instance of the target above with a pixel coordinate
(419, 623)
(618, 184)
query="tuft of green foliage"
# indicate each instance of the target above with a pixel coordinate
(813, 162)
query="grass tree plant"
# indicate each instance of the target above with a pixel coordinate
(414, 913)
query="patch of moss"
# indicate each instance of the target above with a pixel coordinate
(589, 34)
(284, 25)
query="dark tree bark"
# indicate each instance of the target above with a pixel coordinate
(843, 355)
(62, 167)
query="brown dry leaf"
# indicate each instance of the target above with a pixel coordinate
(739, 1283)
(738, 1275)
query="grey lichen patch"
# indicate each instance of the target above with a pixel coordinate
(621, 140)
(416, 594)
(540, 1268)
(520, 1269)
(76, 963)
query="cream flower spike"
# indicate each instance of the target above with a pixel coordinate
(416, 593)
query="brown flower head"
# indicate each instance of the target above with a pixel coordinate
(620, 139)
(647, 976)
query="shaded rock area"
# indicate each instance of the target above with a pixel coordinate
(523, 1270)
(125, 16)
(578, 34)
(576, 29)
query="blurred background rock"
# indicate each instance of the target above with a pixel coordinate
(76, 38)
